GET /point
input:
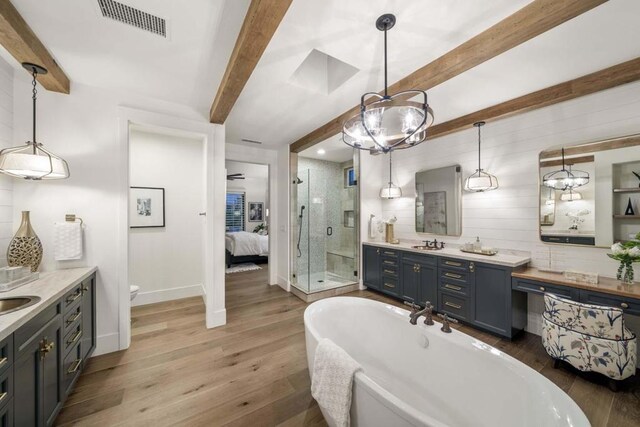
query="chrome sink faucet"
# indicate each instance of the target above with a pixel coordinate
(416, 313)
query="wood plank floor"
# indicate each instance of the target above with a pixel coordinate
(253, 371)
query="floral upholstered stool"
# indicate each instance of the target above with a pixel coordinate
(589, 337)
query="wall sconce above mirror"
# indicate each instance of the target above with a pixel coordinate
(439, 201)
(608, 172)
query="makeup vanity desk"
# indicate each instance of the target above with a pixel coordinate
(608, 291)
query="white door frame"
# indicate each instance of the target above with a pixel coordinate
(215, 180)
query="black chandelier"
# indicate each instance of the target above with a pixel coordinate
(388, 122)
(565, 179)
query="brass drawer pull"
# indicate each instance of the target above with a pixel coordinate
(624, 305)
(73, 318)
(454, 276)
(74, 297)
(74, 338)
(2, 396)
(389, 271)
(378, 251)
(455, 264)
(454, 287)
(542, 288)
(3, 361)
(389, 262)
(389, 253)
(450, 304)
(388, 285)
(74, 367)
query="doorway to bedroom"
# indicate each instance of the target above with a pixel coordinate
(247, 221)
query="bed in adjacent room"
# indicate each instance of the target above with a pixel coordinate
(242, 246)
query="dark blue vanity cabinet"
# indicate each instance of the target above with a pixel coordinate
(41, 361)
(474, 292)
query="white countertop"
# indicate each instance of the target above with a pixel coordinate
(503, 257)
(50, 287)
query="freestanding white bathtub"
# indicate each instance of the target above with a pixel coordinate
(420, 376)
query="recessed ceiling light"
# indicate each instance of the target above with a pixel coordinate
(321, 151)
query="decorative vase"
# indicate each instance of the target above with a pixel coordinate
(625, 272)
(25, 248)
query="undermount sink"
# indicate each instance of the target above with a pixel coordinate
(426, 248)
(11, 304)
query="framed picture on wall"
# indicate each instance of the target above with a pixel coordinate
(256, 211)
(146, 207)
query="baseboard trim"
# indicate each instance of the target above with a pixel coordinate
(217, 318)
(162, 295)
(107, 344)
(283, 283)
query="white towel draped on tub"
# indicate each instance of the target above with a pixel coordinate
(332, 381)
(67, 241)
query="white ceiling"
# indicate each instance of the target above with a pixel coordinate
(185, 68)
(277, 112)
(331, 149)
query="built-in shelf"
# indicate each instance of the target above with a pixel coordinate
(626, 216)
(626, 190)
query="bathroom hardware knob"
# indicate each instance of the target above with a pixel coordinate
(446, 323)
(542, 288)
(45, 347)
(472, 267)
(202, 214)
(624, 305)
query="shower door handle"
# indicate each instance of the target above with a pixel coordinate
(329, 231)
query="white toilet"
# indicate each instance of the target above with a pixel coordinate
(133, 290)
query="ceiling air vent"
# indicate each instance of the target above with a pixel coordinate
(251, 141)
(132, 16)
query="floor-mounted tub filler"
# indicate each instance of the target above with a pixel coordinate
(420, 376)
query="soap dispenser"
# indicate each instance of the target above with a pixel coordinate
(477, 245)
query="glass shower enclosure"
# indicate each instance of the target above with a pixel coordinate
(325, 226)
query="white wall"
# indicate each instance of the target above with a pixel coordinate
(167, 262)
(255, 186)
(6, 140)
(508, 217)
(83, 128)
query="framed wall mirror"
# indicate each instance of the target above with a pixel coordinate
(590, 193)
(438, 203)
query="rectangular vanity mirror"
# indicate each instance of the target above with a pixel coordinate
(573, 178)
(439, 201)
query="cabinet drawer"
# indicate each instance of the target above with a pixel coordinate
(455, 276)
(71, 368)
(454, 288)
(454, 264)
(72, 297)
(388, 270)
(72, 337)
(388, 253)
(6, 354)
(6, 387)
(419, 259)
(390, 285)
(453, 305)
(541, 288)
(71, 318)
(389, 262)
(31, 328)
(628, 305)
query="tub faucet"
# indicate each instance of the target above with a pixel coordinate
(416, 312)
(428, 316)
(446, 321)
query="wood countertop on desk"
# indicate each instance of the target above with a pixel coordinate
(605, 285)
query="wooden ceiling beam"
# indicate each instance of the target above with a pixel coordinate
(626, 72)
(23, 44)
(260, 23)
(532, 20)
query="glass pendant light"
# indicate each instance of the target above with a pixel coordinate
(565, 179)
(32, 161)
(388, 122)
(390, 191)
(480, 181)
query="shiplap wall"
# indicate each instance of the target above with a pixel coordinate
(6, 140)
(508, 217)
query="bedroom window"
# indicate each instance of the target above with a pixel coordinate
(235, 212)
